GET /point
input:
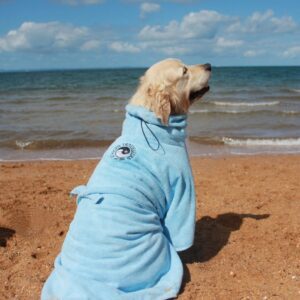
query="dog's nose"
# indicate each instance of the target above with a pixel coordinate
(207, 67)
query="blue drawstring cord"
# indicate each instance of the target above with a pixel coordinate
(153, 134)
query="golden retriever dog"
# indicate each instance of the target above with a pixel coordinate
(138, 208)
(169, 87)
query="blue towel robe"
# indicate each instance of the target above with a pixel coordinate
(136, 211)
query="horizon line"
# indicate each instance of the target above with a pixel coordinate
(130, 67)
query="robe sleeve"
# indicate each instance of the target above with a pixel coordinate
(179, 222)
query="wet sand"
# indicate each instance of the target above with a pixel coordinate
(247, 243)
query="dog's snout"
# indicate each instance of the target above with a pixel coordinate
(207, 67)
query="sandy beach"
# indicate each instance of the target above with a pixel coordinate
(247, 243)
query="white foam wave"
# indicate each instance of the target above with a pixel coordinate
(262, 142)
(245, 103)
(231, 111)
(295, 90)
(291, 112)
(199, 111)
(49, 159)
(23, 144)
(266, 152)
(203, 111)
(245, 111)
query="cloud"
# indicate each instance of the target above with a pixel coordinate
(202, 24)
(196, 32)
(174, 1)
(205, 33)
(183, 1)
(90, 45)
(174, 50)
(81, 2)
(253, 53)
(47, 37)
(147, 8)
(124, 47)
(292, 52)
(264, 22)
(208, 31)
(226, 43)
(222, 42)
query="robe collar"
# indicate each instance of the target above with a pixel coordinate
(144, 120)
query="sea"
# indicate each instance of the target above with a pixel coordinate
(76, 114)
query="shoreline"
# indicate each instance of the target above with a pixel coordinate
(212, 156)
(247, 225)
(91, 153)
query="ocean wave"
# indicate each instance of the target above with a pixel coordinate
(118, 110)
(23, 144)
(289, 90)
(262, 142)
(266, 103)
(247, 111)
(208, 111)
(291, 112)
(207, 140)
(116, 99)
(60, 98)
(54, 144)
(200, 111)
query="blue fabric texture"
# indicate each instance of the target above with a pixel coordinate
(136, 211)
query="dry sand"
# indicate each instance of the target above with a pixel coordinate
(247, 243)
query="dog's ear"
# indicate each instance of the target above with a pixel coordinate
(161, 104)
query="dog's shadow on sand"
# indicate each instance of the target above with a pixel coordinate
(5, 234)
(211, 235)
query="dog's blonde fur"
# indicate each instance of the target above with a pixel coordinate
(166, 87)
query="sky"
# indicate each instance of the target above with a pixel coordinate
(72, 34)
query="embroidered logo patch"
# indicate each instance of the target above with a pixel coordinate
(124, 151)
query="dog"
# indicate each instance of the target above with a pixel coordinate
(138, 208)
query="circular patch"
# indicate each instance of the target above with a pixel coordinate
(124, 151)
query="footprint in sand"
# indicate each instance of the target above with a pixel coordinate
(26, 223)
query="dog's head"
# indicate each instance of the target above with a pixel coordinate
(169, 87)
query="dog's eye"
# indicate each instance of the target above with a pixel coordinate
(185, 69)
